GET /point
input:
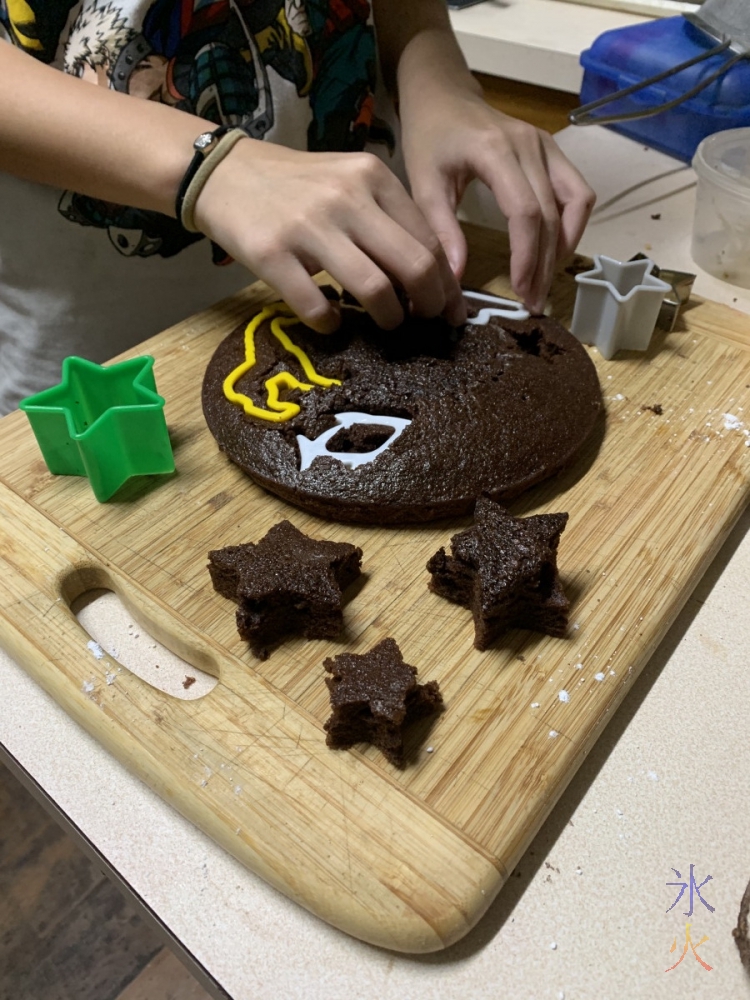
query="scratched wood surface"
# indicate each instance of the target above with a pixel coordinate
(407, 859)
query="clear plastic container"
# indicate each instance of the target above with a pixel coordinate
(721, 230)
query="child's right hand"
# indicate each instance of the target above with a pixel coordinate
(286, 214)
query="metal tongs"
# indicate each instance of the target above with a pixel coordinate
(727, 22)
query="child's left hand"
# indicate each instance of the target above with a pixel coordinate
(450, 136)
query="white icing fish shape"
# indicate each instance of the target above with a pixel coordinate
(504, 309)
(310, 449)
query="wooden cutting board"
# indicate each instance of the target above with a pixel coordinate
(408, 860)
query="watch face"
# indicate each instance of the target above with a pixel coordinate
(204, 140)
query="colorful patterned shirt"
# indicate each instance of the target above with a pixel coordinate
(79, 275)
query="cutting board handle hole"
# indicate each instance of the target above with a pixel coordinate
(115, 631)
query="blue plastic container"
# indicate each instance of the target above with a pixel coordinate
(626, 56)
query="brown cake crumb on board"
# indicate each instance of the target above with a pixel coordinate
(374, 697)
(287, 583)
(504, 569)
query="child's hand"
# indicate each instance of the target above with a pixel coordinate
(281, 213)
(286, 214)
(453, 136)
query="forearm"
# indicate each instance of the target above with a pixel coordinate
(418, 50)
(56, 129)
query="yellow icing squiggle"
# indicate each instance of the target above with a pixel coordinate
(280, 315)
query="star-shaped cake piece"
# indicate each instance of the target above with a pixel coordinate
(374, 697)
(504, 569)
(284, 584)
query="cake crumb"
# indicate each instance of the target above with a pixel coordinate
(553, 733)
(579, 666)
(553, 946)
(535, 704)
(87, 686)
(563, 696)
(110, 678)
(430, 750)
(188, 682)
(96, 649)
(652, 775)
(655, 408)
(599, 677)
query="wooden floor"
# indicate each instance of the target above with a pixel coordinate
(66, 933)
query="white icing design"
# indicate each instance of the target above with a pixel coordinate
(309, 449)
(504, 309)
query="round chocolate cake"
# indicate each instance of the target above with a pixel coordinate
(400, 426)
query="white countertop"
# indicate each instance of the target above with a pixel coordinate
(584, 917)
(535, 41)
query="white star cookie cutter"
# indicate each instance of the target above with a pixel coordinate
(310, 449)
(617, 305)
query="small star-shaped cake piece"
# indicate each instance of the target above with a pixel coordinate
(374, 697)
(504, 569)
(285, 583)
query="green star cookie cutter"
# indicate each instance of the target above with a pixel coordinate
(104, 423)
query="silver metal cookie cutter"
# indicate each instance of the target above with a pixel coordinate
(617, 305)
(681, 283)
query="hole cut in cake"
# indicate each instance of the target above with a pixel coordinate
(114, 631)
(360, 438)
(534, 342)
